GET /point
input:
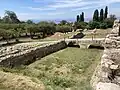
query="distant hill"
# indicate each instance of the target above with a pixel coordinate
(58, 20)
(118, 17)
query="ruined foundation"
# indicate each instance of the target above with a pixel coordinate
(107, 74)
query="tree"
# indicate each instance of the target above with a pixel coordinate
(10, 17)
(47, 28)
(78, 18)
(17, 32)
(82, 17)
(103, 25)
(96, 15)
(106, 12)
(112, 17)
(110, 20)
(80, 25)
(64, 28)
(101, 15)
(63, 22)
(1, 20)
(94, 24)
(6, 34)
(32, 29)
(29, 22)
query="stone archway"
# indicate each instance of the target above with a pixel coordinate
(96, 46)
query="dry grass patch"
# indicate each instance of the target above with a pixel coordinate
(71, 69)
(9, 81)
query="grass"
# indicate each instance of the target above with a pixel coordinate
(101, 33)
(11, 81)
(70, 69)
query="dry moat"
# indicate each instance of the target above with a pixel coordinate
(67, 69)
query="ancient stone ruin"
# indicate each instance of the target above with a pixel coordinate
(107, 74)
(25, 54)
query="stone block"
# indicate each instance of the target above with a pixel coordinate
(107, 86)
(114, 67)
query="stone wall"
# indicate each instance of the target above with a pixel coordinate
(107, 74)
(30, 55)
(85, 42)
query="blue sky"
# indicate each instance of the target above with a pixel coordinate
(57, 9)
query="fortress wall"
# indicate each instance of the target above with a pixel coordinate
(29, 56)
(107, 74)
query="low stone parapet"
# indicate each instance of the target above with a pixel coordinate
(30, 55)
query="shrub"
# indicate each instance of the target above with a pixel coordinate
(103, 26)
(94, 24)
(109, 22)
(80, 25)
(63, 28)
(6, 34)
(47, 28)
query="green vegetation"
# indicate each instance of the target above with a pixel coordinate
(10, 17)
(106, 12)
(96, 15)
(80, 18)
(100, 20)
(68, 68)
(12, 28)
(101, 15)
(63, 29)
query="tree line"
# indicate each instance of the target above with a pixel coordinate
(80, 18)
(12, 27)
(103, 15)
(100, 20)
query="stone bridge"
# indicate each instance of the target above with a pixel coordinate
(85, 43)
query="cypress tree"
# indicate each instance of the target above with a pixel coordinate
(96, 15)
(106, 12)
(82, 17)
(101, 15)
(78, 18)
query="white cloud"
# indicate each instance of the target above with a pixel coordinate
(112, 1)
(26, 16)
(62, 4)
(72, 4)
(39, 8)
(84, 8)
(100, 3)
(58, 4)
(56, 8)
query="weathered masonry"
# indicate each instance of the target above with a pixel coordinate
(107, 74)
(28, 56)
(85, 43)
